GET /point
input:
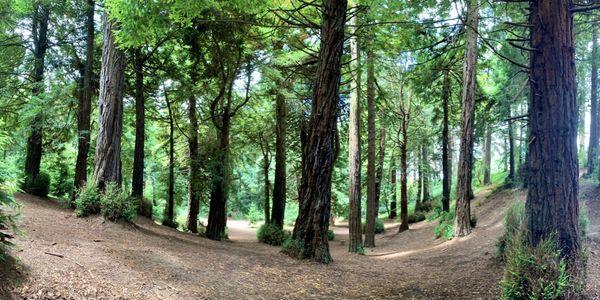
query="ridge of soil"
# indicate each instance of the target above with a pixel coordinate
(104, 260)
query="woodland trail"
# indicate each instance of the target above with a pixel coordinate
(104, 260)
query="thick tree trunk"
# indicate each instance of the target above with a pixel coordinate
(594, 113)
(315, 188)
(110, 110)
(279, 187)
(372, 207)
(137, 179)
(487, 177)
(425, 203)
(170, 209)
(84, 107)
(403, 186)
(462, 224)
(194, 167)
(217, 216)
(552, 206)
(354, 155)
(393, 203)
(446, 155)
(33, 159)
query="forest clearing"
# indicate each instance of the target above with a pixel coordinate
(299, 149)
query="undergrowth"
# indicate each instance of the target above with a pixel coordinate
(271, 234)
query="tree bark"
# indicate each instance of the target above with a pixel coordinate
(194, 167)
(264, 145)
(84, 107)
(372, 208)
(315, 188)
(110, 110)
(446, 160)
(33, 159)
(487, 177)
(394, 202)
(594, 113)
(137, 179)
(170, 209)
(511, 152)
(403, 183)
(354, 155)
(462, 224)
(381, 161)
(552, 205)
(279, 187)
(425, 203)
(419, 170)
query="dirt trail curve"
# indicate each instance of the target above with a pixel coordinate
(103, 260)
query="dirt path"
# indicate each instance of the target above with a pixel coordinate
(103, 260)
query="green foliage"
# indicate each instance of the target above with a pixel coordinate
(445, 227)
(88, 200)
(271, 234)
(514, 218)
(255, 215)
(8, 206)
(293, 248)
(534, 272)
(360, 250)
(39, 186)
(116, 204)
(416, 217)
(584, 221)
(330, 235)
(379, 226)
(434, 214)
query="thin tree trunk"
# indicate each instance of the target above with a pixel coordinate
(266, 166)
(594, 113)
(194, 167)
(84, 107)
(425, 203)
(381, 161)
(354, 155)
(394, 202)
(33, 159)
(137, 179)
(552, 205)
(446, 152)
(372, 209)
(403, 184)
(170, 209)
(487, 177)
(462, 224)
(110, 111)
(315, 188)
(511, 152)
(419, 170)
(279, 187)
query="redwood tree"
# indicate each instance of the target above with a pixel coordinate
(110, 110)
(372, 205)
(279, 185)
(318, 156)
(446, 161)
(594, 113)
(462, 224)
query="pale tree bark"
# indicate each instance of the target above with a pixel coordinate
(462, 224)
(110, 110)
(318, 154)
(354, 155)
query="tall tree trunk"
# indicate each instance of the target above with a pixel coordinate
(487, 177)
(84, 107)
(552, 206)
(425, 203)
(110, 111)
(381, 161)
(354, 155)
(594, 113)
(266, 166)
(170, 209)
(217, 216)
(446, 155)
(137, 179)
(33, 159)
(419, 170)
(194, 167)
(511, 152)
(372, 207)
(315, 188)
(394, 202)
(279, 187)
(462, 224)
(403, 183)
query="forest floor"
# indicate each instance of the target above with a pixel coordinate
(104, 260)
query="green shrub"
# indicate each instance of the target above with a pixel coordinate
(293, 248)
(330, 235)
(434, 214)
(255, 215)
(88, 201)
(379, 226)
(416, 217)
(445, 227)
(117, 204)
(514, 218)
(534, 272)
(271, 234)
(8, 206)
(38, 186)
(360, 250)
